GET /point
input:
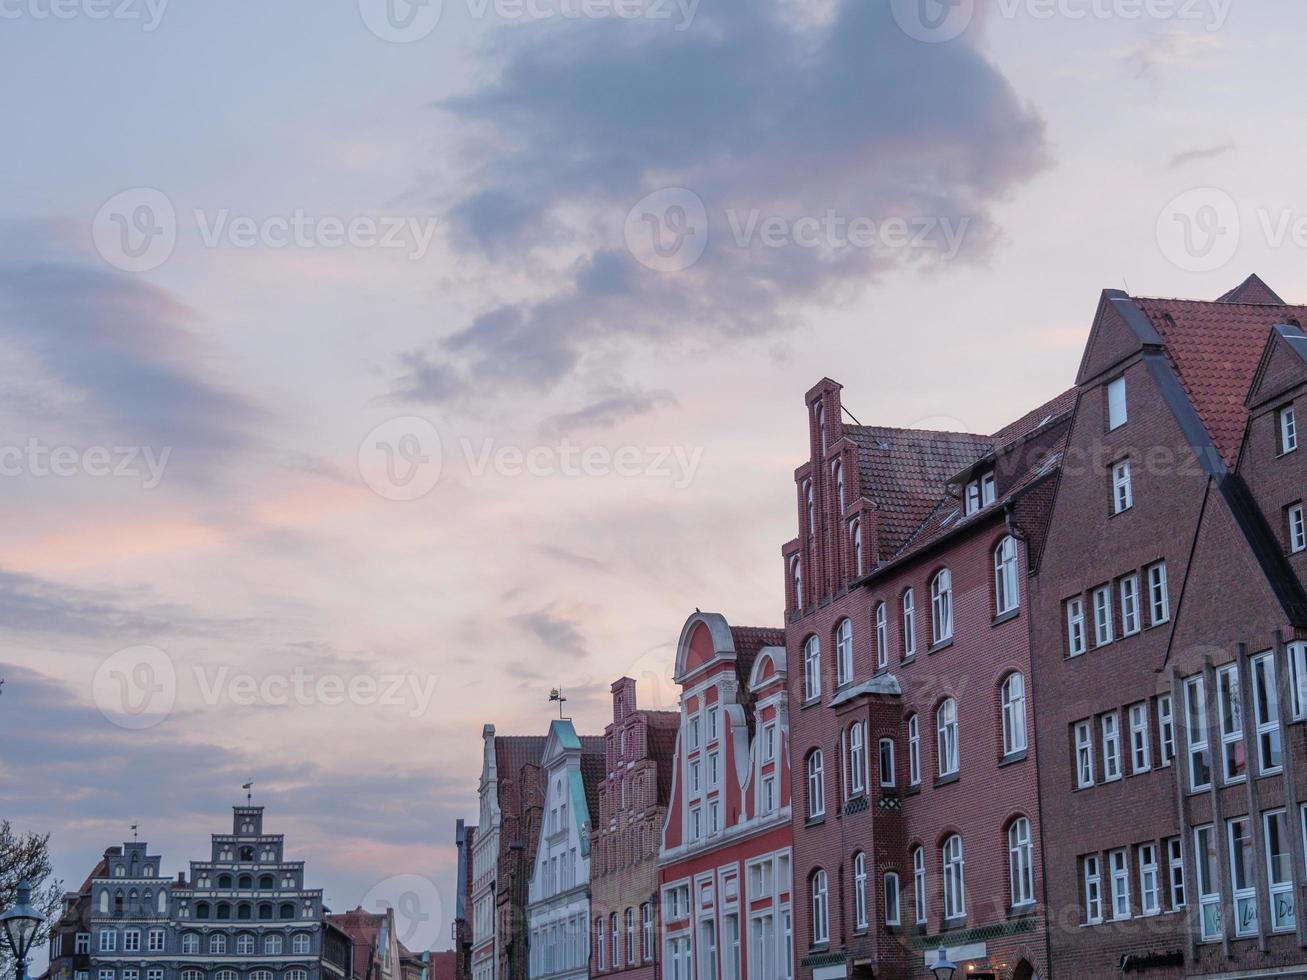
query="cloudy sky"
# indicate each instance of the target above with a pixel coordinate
(370, 369)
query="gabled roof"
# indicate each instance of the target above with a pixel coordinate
(1283, 364)
(1252, 290)
(1215, 348)
(663, 726)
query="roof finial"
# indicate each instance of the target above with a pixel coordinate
(557, 695)
(249, 792)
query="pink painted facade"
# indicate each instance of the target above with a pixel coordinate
(725, 865)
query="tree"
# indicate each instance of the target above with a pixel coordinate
(27, 857)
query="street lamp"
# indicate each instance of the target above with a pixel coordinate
(942, 968)
(20, 924)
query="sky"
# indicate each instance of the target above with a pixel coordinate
(369, 369)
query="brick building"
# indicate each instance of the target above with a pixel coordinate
(628, 829)
(461, 927)
(503, 850)
(1171, 672)
(916, 818)
(377, 952)
(724, 864)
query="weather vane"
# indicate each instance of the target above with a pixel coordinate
(557, 695)
(135, 828)
(249, 792)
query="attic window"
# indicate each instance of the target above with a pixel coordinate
(1116, 408)
(981, 492)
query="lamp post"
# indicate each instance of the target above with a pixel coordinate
(20, 924)
(942, 968)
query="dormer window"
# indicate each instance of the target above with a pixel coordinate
(1116, 409)
(981, 492)
(1288, 429)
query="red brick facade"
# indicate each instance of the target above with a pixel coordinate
(897, 631)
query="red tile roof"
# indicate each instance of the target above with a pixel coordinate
(1215, 348)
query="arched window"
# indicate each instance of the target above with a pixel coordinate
(265, 911)
(190, 944)
(260, 975)
(1013, 699)
(946, 729)
(860, 891)
(909, 624)
(857, 775)
(225, 975)
(1021, 862)
(647, 931)
(811, 507)
(286, 910)
(796, 576)
(192, 975)
(224, 910)
(855, 540)
(882, 637)
(955, 890)
(816, 785)
(296, 974)
(820, 918)
(887, 763)
(837, 470)
(892, 898)
(299, 943)
(914, 750)
(941, 606)
(599, 942)
(244, 944)
(245, 882)
(218, 944)
(265, 882)
(617, 960)
(812, 669)
(163, 903)
(201, 910)
(104, 902)
(630, 937)
(118, 903)
(821, 426)
(243, 911)
(247, 854)
(844, 652)
(272, 944)
(1007, 588)
(224, 881)
(919, 883)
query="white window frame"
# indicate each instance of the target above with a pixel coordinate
(886, 762)
(1150, 883)
(1110, 725)
(1117, 410)
(1093, 875)
(1266, 714)
(1159, 601)
(860, 891)
(1175, 878)
(919, 884)
(820, 908)
(1141, 755)
(844, 652)
(812, 668)
(1130, 620)
(1123, 495)
(1230, 724)
(1021, 863)
(882, 636)
(1243, 875)
(941, 606)
(1102, 598)
(909, 624)
(1077, 641)
(1288, 420)
(946, 733)
(1199, 750)
(892, 899)
(1085, 769)
(1012, 700)
(857, 759)
(914, 750)
(1118, 866)
(1278, 883)
(953, 863)
(855, 542)
(1297, 529)
(1297, 657)
(1165, 730)
(1007, 583)
(816, 773)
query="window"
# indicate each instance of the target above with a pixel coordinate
(1084, 755)
(1102, 616)
(1298, 678)
(1200, 759)
(1075, 626)
(796, 576)
(887, 763)
(154, 941)
(1111, 747)
(882, 637)
(1150, 896)
(299, 943)
(768, 794)
(1266, 714)
(297, 974)
(946, 726)
(1175, 859)
(837, 471)
(1297, 529)
(617, 961)
(1123, 497)
(857, 759)
(696, 822)
(909, 625)
(844, 652)
(919, 883)
(1116, 410)
(1159, 603)
(108, 940)
(646, 928)
(82, 944)
(1209, 888)
(1007, 588)
(816, 786)
(1242, 881)
(1130, 605)
(860, 891)
(820, 924)
(1233, 762)
(955, 892)
(190, 944)
(941, 606)
(1165, 730)
(914, 750)
(855, 542)
(1013, 699)
(812, 669)
(1279, 870)
(713, 728)
(1141, 759)
(132, 941)
(245, 945)
(217, 944)
(768, 744)
(1021, 862)
(1288, 429)
(811, 510)
(891, 898)
(156, 973)
(599, 942)
(1093, 889)
(1119, 866)
(272, 944)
